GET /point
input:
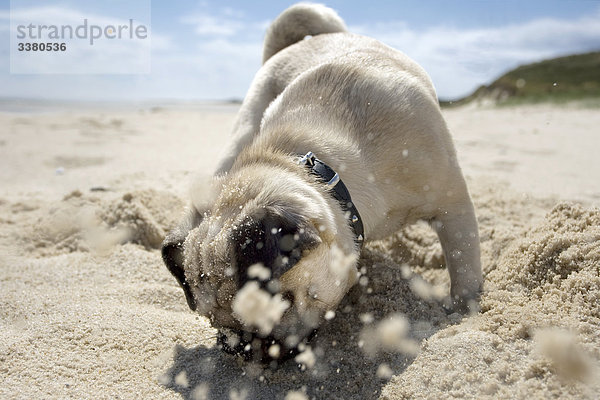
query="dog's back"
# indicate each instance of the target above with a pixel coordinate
(286, 56)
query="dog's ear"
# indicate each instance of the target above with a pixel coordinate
(172, 251)
(273, 238)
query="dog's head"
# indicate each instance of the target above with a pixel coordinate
(264, 263)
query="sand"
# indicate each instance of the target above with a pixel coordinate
(87, 309)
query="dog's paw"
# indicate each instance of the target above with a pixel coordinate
(462, 305)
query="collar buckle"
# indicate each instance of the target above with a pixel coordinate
(308, 159)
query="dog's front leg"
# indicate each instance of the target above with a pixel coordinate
(459, 236)
(247, 123)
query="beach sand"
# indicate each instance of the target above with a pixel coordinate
(88, 310)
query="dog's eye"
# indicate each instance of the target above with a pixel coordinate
(288, 242)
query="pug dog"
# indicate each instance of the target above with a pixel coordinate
(339, 140)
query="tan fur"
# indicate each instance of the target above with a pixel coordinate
(370, 113)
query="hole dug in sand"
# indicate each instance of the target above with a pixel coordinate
(343, 361)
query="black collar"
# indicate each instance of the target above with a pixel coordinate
(338, 190)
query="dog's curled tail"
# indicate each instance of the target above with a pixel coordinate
(297, 22)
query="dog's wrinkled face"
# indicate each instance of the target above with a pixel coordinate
(263, 274)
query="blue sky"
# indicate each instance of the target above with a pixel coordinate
(211, 50)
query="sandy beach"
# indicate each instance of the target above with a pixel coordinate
(88, 310)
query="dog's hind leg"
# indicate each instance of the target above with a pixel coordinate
(459, 236)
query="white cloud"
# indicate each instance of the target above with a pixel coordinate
(459, 60)
(208, 25)
(104, 56)
(213, 69)
(228, 23)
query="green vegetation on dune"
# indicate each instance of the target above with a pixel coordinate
(558, 80)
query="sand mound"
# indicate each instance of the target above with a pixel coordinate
(554, 254)
(538, 328)
(84, 222)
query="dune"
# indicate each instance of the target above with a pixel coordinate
(89, 311)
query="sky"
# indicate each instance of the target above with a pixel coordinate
(210, 50)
